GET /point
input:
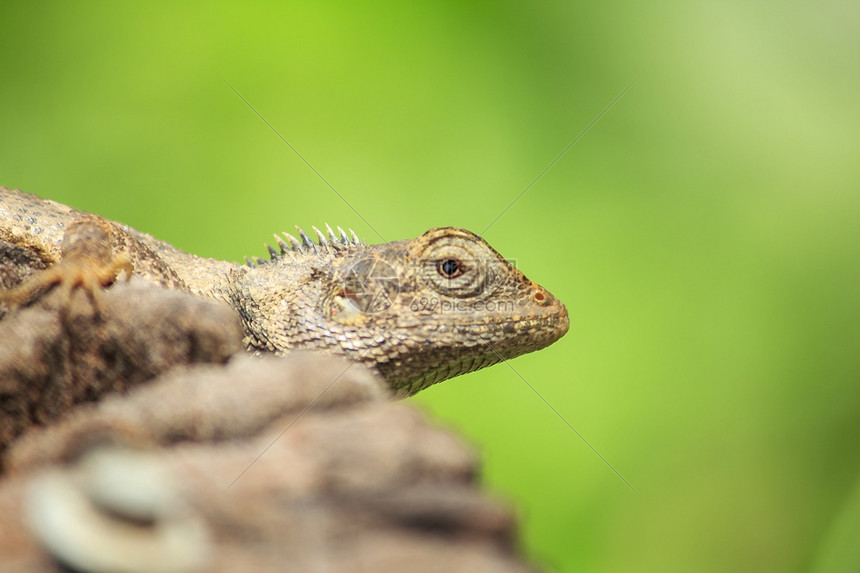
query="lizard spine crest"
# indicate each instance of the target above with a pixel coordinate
(295, 248)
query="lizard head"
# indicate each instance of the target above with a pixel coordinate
(419, 311)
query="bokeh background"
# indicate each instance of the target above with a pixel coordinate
(704, 232)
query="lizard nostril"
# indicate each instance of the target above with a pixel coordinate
(540, 296)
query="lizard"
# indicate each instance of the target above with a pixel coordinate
(417, 311)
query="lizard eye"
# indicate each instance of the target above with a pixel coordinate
(450, 268)
(457, 272)
(459, 264)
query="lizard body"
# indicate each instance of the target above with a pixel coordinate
(419, 311)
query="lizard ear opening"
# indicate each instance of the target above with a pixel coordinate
(369, 286)
(346, 307)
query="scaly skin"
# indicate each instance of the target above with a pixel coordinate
(419, 311)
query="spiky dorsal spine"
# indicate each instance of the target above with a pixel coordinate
(332, 244)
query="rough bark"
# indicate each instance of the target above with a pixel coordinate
(171, 450)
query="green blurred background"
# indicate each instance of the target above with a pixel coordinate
(704, 233)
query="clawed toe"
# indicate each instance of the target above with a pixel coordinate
(69, 275)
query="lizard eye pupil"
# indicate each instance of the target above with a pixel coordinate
(449, 268)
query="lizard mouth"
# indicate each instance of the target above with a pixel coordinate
(477, 347)
(556, 315)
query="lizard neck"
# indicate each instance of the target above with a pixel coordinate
(208, 278)
(158, 262)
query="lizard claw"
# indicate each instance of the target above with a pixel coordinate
(90, 261)
(69, 274)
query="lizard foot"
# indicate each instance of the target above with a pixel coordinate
(89, 262)
(70, 274)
